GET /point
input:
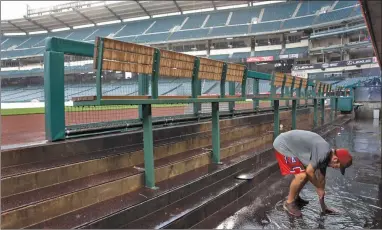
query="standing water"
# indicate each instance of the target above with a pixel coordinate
(357, 196)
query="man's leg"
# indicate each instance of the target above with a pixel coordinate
(296, 185)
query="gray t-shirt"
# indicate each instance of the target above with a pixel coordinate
(308, 147)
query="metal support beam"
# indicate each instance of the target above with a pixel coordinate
(54, 96)
(215, 133)
(84, 16)
(144, 9)
(315, 113)
(155, 74)
(99, 70)
(37, 24)
(256, 89)
(231, 89)
(276, 121)
(322, 112)
(113, 13)
(294, 114)
(213, 4)
(60, 21)
(178, 7)
(19, 28)
(148, 147)
(143, 89)
(195, 86)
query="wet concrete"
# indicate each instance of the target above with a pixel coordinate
(357, 196)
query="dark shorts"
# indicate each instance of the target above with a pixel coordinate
(289, 165)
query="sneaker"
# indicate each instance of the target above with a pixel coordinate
(301, 201)
(292, 208)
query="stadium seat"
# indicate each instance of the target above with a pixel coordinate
(334, 15)
(244, 16)
(279, 11)
(240, 55)
(219, 56)
(189, 34)
(265, 27)
(229, 30)
(347, 3)
(194, 21)
(165, 24)
(311, 7)
(217, 19)
(152, 38)
(33, 40)
(296, 50)
(134, 28)
(298, 22)
(265, 53)
(13, 41)
(81, 34)
(104, 31)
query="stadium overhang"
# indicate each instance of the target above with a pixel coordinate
(371, 10)
(83, 12)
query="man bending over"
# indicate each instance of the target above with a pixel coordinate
(306, 155)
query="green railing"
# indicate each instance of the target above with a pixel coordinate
(57, 48)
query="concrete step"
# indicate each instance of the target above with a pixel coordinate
(34, 206)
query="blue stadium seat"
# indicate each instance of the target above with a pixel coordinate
(296, 50)
(240, 55)
(265, 27)
(347, 3)
(81, 34)
(334, 15)
(244, 16)
(166, 24)
(134, 28)
(219, 56)
(311, 7)
(229, 30)
(152, 38)
(189, 34)
(298, 22)
(266, 53)
(217, 19)
(105, 31)
(32, 40)
(357, 12)
(21, 53)
(61, 34)
(194, 21)
(13, 41)
(279, 11)
(127, 39)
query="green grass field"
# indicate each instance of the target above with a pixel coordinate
(25, 111)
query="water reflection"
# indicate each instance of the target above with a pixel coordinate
(357, 196)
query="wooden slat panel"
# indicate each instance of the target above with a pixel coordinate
(208, 96)
(210, 76)
(127, 47)
(165, 71)
(117, 55)
(297, 82)
(234, 78)
(173, 97)
(176, 56)
(235, 72)
(235, 66)
(171, 63)
(209, 62)
(126, 67)
(210, 69)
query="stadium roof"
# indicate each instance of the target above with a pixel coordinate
(372, 13)
(79, 13)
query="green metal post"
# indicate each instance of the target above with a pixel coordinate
(332, 108)
(306, 93)
(287, 92)
(335, 107)
(276, 112)
(273, 88)
(322, 111)
(294, 114)
(292, 88)
(231, 89)
(299, 93)
(215, 133)
(99, 70)
(256, 89)
(315, 108)
(148, 146)
(54, 95)
(143, 89)
(223, 81)
(244, 83)
(283, 87)
(195, 85)
(155, 74)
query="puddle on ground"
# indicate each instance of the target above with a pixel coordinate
(357, 195)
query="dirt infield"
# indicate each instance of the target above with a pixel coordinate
(22, 129)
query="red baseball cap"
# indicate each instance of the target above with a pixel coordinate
(345, 159)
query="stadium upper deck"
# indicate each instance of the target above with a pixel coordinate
(245, 21)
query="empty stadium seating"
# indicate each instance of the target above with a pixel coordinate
(311, 7)
(241, 55)
(279, 11)
(279, 16)
(266, 53)
(296, 50)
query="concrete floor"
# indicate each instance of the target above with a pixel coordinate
(357, 195)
